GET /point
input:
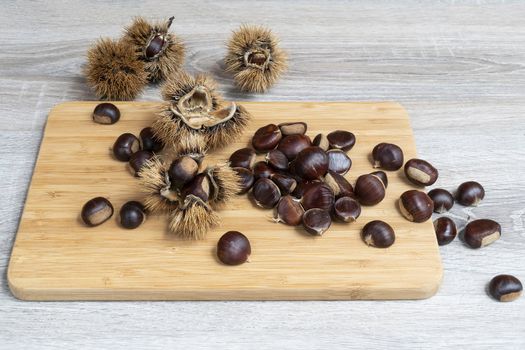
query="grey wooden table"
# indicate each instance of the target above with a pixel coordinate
(458, 67)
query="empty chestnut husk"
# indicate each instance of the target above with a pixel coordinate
(289, 210)
(470, 193)
(262, 170)
(266, 193)
(445, 229)
(244, 158)
(339, 185)
(139, 159)
(443, 200)
(346, 209)
(233, 248)
(277, 159)
(293, 128)
(125, 145)
(505, 288)
(340, 139)
(291, 145)
(246, 179)
(416, 206)
(182, 170)
(318, 197)
(96, 211)
(266, 138)
(311, 163)
(106, 113)
(387, 156)
(132, 215)
(316, 221)
(149, 142)
(321, 141)
(482, 232)
(378, 234)
(338, 161)
(285, 183)
(369, 189)
(420, 172)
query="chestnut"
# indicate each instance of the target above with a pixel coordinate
(369, 189)
(285, 183)
(293, 128)
(420, 172)
(321, 141)
(320, 196)
(139, 159)
(289, 211)
(233, 248)
(291, 145)
(346, 209)
(382, 176)
(96, 211)
(378, 234)
(316, 221)
(125, 145)
(266, 193)
(262, 170)
(505, 288)
(445, 229)
(311, 163)
(132, 215)
(339, 185)
(416, 206)
(266, 138)
(340, 139)
(244, 158)
(246, 179)
(338, 161)
(443, 200)
(387, 156)
(182, 170)
(303, 186)
(482, 232)
(277, 159)
(470, 193)
(149, 141)
(199, 186)
(106, 113)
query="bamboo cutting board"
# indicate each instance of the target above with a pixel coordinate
(55, 257)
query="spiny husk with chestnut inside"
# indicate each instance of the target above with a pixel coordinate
(155, 184)
(225, 183)
(113, 71)
(255, 58)
(170, 56)
(193, 219)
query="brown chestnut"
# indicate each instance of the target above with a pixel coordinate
(420, 172)
(443, 200)
(482, 232)
(277, 159)
(244, 158)
(199, 186)
(125, 145)
(291, 145)
(266, 193)
(149, 141)
(132, 215)
(505, 288)
(339, 185)
(445, 229)
(378, 234)
(96, 211)
(293, 128)
(262, 170)
(369, 189)
(470, 193)
(233, 248)
(303, 186)
(416, 206)
(338, 161)
(387, 156)
(311, 163)
(318, 197)
(321, 141)
(340, 139)
(347, 209)
(139, 159)
(285, 183)
(316, 221)
(289, 211)
(266, 138)
(246, 179)
(106, 113)
(182, 170)
(382, 176)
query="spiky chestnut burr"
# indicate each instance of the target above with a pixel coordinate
(193, 219)
(113, 70)
(156, 185)
(162, 52)
(255, 58)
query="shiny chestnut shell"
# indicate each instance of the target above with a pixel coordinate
(132, 215)
(416, 206)
(339, 185)
(338, 161)
(277, 159)
(320, 140)
(369, 189)
(149, 141)
(443, 200)
(482, 232)
(139, 159)
(470, 193)
(445, 230)
(378, 234)
(293, 144)
(341, 139)
(262, 170)
(311, 163)
(246, 179)
(96, 211)
(233, 248)
(316, 221)
(505, 288)
(266, 138)
(182, 170)
(293, 128)
(286, 183)
(420, 172)
(106, 113)
(320, 196)
(244, 158)
(266, 193)
(125, 145)
(387, 156)
(289, 211)
(346, 209)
